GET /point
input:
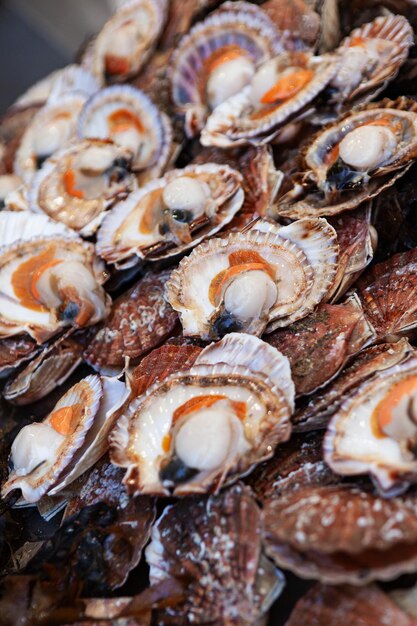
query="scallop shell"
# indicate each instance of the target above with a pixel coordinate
(386, 457)
(319, 345)
(24, 225)
(139, 321)
(155, 135)
(215, 545)
(237, 26)
(308, 249)
(149, 17)
(265, 419)
(51, 368)
(14, 351)
(51, 193)
(386, 292)
(237, 122)
(123, 243)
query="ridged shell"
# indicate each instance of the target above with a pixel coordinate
(332, 606)
(149, 17)
(263, 427)
(234, 122)
(51, 194)
(139, 321)
(93, 122)
(386, 457)
(319, 345)
(215, 545)
(387, 294)
(126, 247)
(238, 26)
(24, 226)
(308, 251)
(14, 351)
(324, 403)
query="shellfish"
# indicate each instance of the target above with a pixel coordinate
(48, 455)
(169, 215)
(76, 185)
(218, 57)
(261, 279)
(129, 118)
(212, 423)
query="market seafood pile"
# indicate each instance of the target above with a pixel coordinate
(208, 317)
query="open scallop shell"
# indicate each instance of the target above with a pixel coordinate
(151, 225)
(159, 449)
(216, 546)
(14, 351)
(128, 117)
(127, 39)
(24, 225)
(235, 39)
(246, 118)
(372, 431)
(215, 288)
(78, 184)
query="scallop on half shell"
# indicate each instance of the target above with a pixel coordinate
(76, 185)
(375, 430)
(128, 117)
(171, 214)
(219, 57)
(126, 40)
(209, 425)
(280, 91)
(49, 455)
(49, 279)
(257, 280)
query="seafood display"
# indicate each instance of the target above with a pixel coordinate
(208, 321)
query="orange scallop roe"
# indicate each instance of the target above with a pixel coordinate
(69, 184)
(151, 212)
(116, 65)
(288, 86)
(384, 411)
(26, 276)
(205, 402)
(223, 55)
(166, 443)
(65, 420)
(123, 119)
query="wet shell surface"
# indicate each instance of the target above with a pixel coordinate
(212, 424)
(216, 546)
(169, 215)
(140, 320)
(279, 91)
(78, 184)
(373, 431)
(14, 351)
(126, 40)
(48, 455)
(218, 57)
(267, 277)
(128, 117)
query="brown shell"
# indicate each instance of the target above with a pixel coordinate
(139, 320)
(387, 292)
(12, 127)
(319, 345)
(323, 404)
(215, 545)
(332, 606)
(160, 364)
(14, 351)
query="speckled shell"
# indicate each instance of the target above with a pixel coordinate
(232, 123)
(216, 545)
(381, 457)
(131, 11)
(14, 351)
(238, 24)
(310, 245)
(139, 321)
(227, 194)
(92, 123)
(47, 193)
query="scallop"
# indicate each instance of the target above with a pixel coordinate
(78, 184)
(219, 57)
(210, 424)
(170, 215)
(257, 280)
(49, 455)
